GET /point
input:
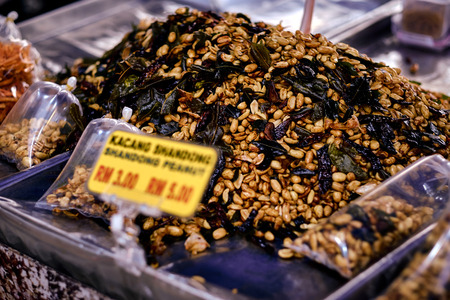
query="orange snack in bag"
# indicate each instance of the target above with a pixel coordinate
(16, 73)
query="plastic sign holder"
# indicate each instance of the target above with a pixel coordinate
(149, 175)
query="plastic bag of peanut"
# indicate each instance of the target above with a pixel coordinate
(38, 126)
(427, 275)
(68, 194)
(360, 233)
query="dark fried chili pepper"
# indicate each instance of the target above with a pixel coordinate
(360, 93)
(281, 129)
(302, 172)
(269, 131)
(379, 119)
(313, 138)
(298, 115)
(271, 149)
(324, 168)
(384, 133)
(272, 94)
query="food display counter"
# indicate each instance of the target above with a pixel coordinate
(68, 254)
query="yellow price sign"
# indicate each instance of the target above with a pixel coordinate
(153, 171)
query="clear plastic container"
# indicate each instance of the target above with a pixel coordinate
(37, 126)
(68, 193)
(424, 23)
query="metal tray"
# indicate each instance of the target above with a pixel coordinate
(82, 248)
(10, 173)
(7, 169)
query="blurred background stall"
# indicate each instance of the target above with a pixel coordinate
(30, 8)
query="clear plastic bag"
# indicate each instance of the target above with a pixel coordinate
(20, 65)
(8, 29)
(360, 233)
(427, 276)
(38, 125)
(68, 194)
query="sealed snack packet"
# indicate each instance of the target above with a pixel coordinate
(68, 194)
(19, 65)
(358, 234)
(38, 126)
(427, 276)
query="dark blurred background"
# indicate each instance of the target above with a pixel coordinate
(30, 8)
